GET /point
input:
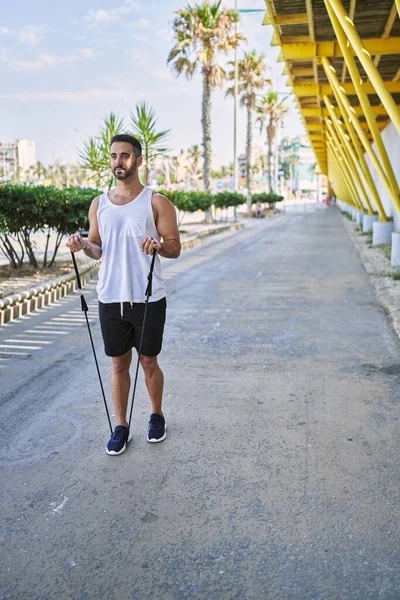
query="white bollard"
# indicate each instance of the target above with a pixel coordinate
(368, 222)
(395, 258)
(382, 232)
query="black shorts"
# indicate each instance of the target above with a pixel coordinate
(120, 334)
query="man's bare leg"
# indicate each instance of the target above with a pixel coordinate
(120, 385)
(154, 379)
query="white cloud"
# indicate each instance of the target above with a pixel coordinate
(163, 74)
(141, 38)
(103, 15)
(74, 96)
(43, 62)
(30, 34)
(138, 55)
(142, 23)
(88, 53)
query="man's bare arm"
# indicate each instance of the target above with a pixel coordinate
(167, 227)
(92, 245)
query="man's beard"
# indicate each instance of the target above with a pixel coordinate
(125, 173)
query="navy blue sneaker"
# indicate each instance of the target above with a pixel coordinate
(118, 441)
(157, 431)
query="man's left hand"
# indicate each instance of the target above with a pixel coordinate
(149, 245)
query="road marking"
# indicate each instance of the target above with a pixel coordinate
(7, 346)
(12, 353)
(28, 341)
(49, 331)
(61, 506)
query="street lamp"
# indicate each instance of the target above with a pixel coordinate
(235, 100)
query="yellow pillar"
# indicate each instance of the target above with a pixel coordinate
(360, 153)
(365, 59)
(398, 6)
(351, 167)
(363, 97)
(346, 173)
(358, 160)
(331, 74)
(340, 182)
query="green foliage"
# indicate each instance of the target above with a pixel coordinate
(95, 155)
(265, 198)
(144, 124)
(225, 199)
(25, 210)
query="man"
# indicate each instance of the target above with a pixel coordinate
(127, 225)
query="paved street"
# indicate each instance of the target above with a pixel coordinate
(279, 479)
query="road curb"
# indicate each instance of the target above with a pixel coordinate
(15, 306)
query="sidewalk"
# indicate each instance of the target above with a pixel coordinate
(378, 267)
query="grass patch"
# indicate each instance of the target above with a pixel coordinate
(396, 276)
(369, 237)
(387, 249)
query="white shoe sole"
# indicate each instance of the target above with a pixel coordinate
(112, 453)
(154, 441)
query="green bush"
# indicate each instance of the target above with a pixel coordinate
(266, 198)
(25, 210)
(226, 199)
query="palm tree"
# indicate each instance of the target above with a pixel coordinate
(251, 78)
(95, 155)
(194, 155)
(270, 113)
(203, 33)
(144, 128)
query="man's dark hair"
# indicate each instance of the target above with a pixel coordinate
(129, 139)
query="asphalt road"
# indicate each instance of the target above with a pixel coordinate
(279, 478)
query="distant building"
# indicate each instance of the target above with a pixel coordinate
(16, 158)
(298, 160)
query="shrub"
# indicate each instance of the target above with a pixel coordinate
(25, 210)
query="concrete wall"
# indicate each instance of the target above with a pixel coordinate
(391, 140)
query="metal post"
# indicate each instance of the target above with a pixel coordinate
(235, 102)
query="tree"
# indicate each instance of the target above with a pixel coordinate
(96, 153)
(144, 128)
(270, 111)
(203, 33)
(251, 79)
(194, 155)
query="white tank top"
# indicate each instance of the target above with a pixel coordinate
(124, 268)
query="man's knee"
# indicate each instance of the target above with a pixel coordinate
(149, 363)
(122, 363)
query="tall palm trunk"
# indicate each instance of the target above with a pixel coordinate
(248, 156)
(146, 167)
(206, 123)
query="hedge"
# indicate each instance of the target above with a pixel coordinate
(24, 210)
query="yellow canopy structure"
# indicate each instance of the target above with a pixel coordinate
(343, 64)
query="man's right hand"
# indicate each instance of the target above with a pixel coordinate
(76, 243)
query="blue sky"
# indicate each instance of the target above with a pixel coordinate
(64, 65)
